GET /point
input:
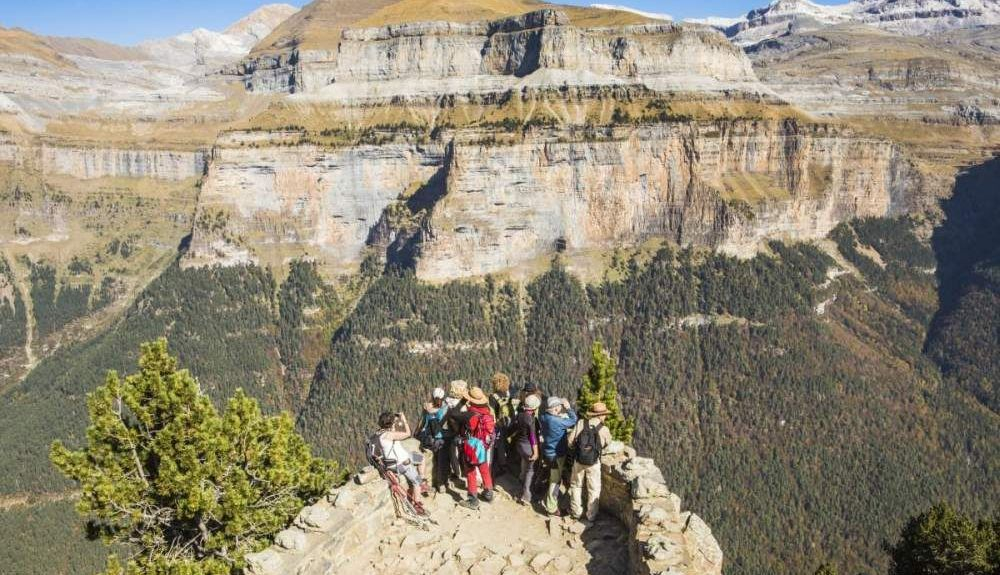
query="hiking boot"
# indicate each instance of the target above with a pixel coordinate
(424, 489)
(442, 488)
(487, 495)
(471, 503)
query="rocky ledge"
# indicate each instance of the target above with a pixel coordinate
(354, 530)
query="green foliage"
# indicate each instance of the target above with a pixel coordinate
(186, 487)
(298, 293)
(942, 541)
(826, 569)
(44, 537)
(599, 386)
(54, 308)
(13, 316)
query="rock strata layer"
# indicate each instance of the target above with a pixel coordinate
(541, 49)
(472, 208)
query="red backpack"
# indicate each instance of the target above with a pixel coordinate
(479, 438)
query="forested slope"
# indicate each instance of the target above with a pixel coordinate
(791, 405)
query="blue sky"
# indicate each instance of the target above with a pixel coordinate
(131, 21)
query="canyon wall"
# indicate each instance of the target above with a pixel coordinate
(540, 49)
(471, 205)
(88, 163)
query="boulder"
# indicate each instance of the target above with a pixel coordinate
(292, 539)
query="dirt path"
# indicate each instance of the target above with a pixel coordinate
(501, 537)
(15, 500)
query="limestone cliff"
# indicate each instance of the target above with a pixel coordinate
(541, 48)
(467, 205)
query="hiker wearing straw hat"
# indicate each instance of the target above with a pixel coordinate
(588, 439)
(476, 430)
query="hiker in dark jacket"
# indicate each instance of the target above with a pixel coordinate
(456, 404)
(475, 428)
(556, 423)
(525, 440)
(502, 405)
(431, 434)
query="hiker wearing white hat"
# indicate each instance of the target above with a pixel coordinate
(525, 440)
(430, 433)
(556, 422)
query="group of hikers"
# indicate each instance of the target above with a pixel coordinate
(467, 433)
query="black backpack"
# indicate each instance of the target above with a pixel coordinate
(588, 444)
(373, 452)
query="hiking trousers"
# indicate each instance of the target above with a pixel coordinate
(591, 476)
(527, 476)
(551, 503)
(441, 467)
(473, 482)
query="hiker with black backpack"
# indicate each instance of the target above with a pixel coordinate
(588, 439)
(502, 405)
(476, 428)
(431, 434)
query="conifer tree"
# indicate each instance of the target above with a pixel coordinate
(186, 488)
(599, 385)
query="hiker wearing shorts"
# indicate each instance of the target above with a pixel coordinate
(393, 430)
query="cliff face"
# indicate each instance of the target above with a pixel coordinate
(472, 206)
(87, 163)
(543, 48)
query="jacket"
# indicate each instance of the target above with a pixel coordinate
(555, 429)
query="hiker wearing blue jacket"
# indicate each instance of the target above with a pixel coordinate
(558, 419)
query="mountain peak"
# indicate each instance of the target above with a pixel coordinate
(263, 19)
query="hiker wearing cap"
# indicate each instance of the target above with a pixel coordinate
(393, 430)
(524, 438)
(476, 428)
(556, 423)
(502, 405)
(588, 439)
(431, 434)
(528, 389)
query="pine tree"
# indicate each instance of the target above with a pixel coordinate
(186, 488)
(944, 542)
(599, 385)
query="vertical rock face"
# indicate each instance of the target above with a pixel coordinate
(259, 202)
(93, 163)
(501, 207)
(491, 56)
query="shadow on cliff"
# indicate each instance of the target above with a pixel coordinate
(964, 337)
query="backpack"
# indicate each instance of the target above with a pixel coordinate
(373, 451)
(504, 409)
(478, 438)
(430, 435)
(588, 444)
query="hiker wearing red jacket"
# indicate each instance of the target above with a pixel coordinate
(476, 431)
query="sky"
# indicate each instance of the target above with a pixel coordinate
(132, 21)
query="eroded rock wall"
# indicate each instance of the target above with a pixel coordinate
(543, 48)
(87, 163)
(502, 206)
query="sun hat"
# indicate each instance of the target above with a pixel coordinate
(458, 388)
(598, 409)
(532, 402)
(476, 396)
(438, 393)
(553, 403)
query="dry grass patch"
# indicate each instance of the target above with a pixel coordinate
(752, 188)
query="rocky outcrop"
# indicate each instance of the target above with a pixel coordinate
(541, 49)
(357, 521)
(91, 163)
(484, 207)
